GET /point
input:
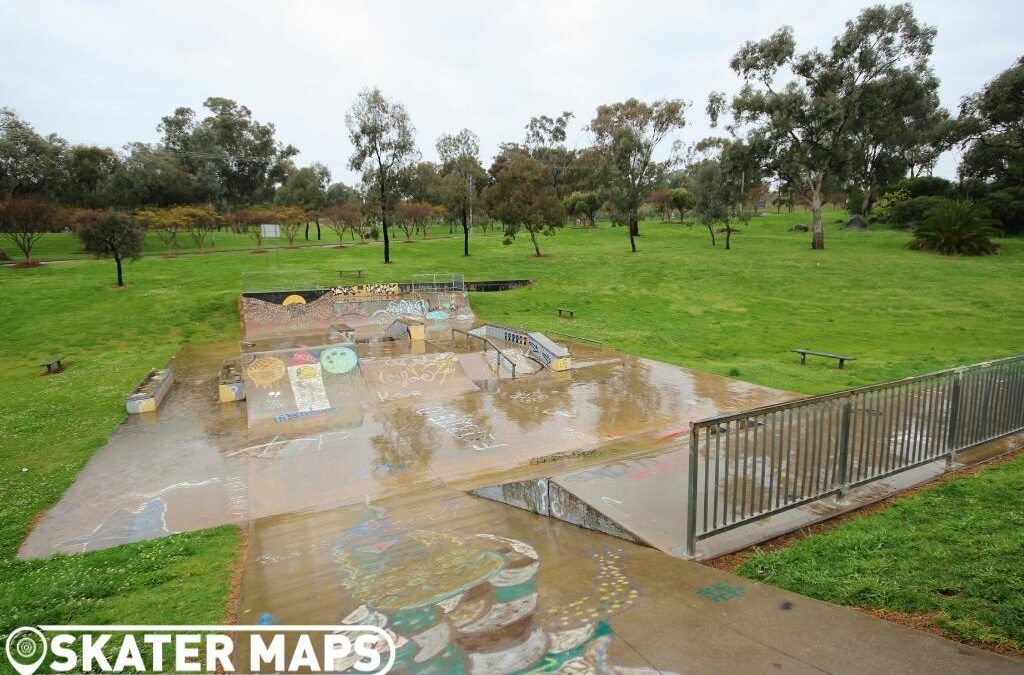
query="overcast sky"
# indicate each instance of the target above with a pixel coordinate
(106, 72)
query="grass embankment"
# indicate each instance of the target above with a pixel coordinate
(948, 559)
(678, 300)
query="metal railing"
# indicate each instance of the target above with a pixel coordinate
(440, 282)
(753, 464)
(487, 342)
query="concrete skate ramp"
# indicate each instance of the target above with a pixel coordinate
(313, 312)
(288, 385)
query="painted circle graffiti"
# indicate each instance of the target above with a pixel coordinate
(338, 360)
(302, 358)
(265, 371)
(294, 300)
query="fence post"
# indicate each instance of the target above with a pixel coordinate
(954, 417)
(844, 451)
(691, 496)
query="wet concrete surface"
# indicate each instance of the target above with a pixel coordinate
(414, 415)
(360, 515)
(470, 585)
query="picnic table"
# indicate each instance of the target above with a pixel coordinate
(354, 273)
(562, 311)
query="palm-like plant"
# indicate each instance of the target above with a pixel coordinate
(956, 228)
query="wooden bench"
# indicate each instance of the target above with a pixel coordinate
(354, 273)
(840, 357)
(53, 364)
(562, 311)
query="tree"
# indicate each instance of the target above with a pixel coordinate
(29, 163)
(413, 216)
(384, 142)
(584, 205)
(24, 221)
(662, 199)
(460, 160)
(718, 184)
(992, 128)
(165, 223)
(344, 217)
(199, 221)
(307, 189)
(522, 197)
(111, 234)
(628, 133)
(807, 125)
(956, 228)
(89, 177)
(150, 175)
(545, 140)
(290, 218)
(235, 160)
(900, 127)
(681, 200)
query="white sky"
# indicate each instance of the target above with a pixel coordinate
(105, 72)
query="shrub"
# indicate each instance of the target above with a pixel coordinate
(956, 228)
(1007, 206)
(913, 211)
(926, 186)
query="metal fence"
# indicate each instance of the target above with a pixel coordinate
(442, 282)
(750, 465)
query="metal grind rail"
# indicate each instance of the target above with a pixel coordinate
(750, 465)
(501, 355)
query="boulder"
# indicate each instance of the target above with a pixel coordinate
(857, 222)
(800, 228)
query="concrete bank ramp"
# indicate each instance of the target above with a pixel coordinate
(641, 499)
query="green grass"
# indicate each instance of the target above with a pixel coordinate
(678, 300)
(955, 549)
(66, 246)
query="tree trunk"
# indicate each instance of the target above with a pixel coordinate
(120, 274)
(817, 228)
(865, 202)
(307, 230)
(533, 238)
(465, 233)
(711, 231)
(633, 231)
(728, 236)
(317, 229)
(384, 221)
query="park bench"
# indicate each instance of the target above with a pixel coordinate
(840, 357)
(562, 311)
(53, 364)
(354, 273)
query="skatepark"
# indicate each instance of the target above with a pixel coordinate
(499, 498)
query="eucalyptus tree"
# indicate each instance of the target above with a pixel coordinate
(806, 107)
(629, 133)
(234, 159)
(463, 175)
(384, 140)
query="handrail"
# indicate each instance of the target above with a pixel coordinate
(753, 464)
(501, 355)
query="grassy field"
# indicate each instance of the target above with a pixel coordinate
(679, 300)
(951, 553)
(66, 246)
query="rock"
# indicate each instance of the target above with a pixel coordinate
(800, 228)
(857, 222)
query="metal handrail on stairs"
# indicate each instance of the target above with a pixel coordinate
(501, 354)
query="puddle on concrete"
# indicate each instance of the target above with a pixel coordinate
(412, 418)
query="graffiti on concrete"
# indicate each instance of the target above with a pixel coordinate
(471, 604)
(461, 426)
